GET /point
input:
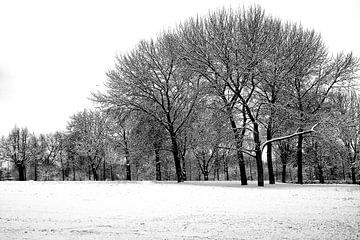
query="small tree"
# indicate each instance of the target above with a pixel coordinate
(90, 127)
(17, 148)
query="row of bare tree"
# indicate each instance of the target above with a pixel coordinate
(232, 83)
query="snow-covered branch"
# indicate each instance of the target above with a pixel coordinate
(288, 136)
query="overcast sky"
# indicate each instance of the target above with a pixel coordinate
(54, 53)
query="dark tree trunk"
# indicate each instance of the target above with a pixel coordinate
(104, 170)
(111, 173)
(157, 164)
(127, 158)
(184, 177)
(269, 152)
(206, 175)
(128, 172)
(176, 156)
(239, 142)
(299, 158)
(353, 175)
(35, 172)
(190, 171)
(89, 173)
(62, 169)
(74, 176)
(217, 166)
(283, 176)
(320, 174)
(95, 174)
(226, 170)
(21, 170)
(259, 163)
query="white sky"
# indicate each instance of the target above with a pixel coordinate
(54, 53)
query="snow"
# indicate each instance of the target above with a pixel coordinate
(193, 210)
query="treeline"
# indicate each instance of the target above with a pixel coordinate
(212, 98)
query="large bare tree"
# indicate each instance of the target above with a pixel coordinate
(151, 79)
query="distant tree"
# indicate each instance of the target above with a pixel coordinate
(150, 138)
(53, 147)
(315, 77)
(90, 129)
(119, 129)
(37, 152)
(347, 105)
(17, 147)
(206, 137)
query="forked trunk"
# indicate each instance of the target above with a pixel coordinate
(239, 142)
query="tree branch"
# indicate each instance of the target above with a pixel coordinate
(288, 136)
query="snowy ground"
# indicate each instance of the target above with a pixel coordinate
(149, 210)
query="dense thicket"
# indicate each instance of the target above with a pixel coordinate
(204, 101)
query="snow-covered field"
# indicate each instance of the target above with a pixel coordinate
(150, 210)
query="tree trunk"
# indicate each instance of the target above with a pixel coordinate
(283, 176)
(127, 159)
(189, 174)
(353, 174)
(299, 158)
(269, 152)
(226, 170)
(63, 174)
(35, 172)
(176, 156)
(89, 172)
(74, 176)
(128, 172)
(206, 175)
(104, 169)
(157, 164)
(239, 143)
(343, 169)
(320, 174)
(250, 170)
(183, 167)
(95, 174)
(21, 170)
(259, 163)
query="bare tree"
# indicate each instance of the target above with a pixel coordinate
(208, 48)
(90, 129)
(152, 80)
(16, 147)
